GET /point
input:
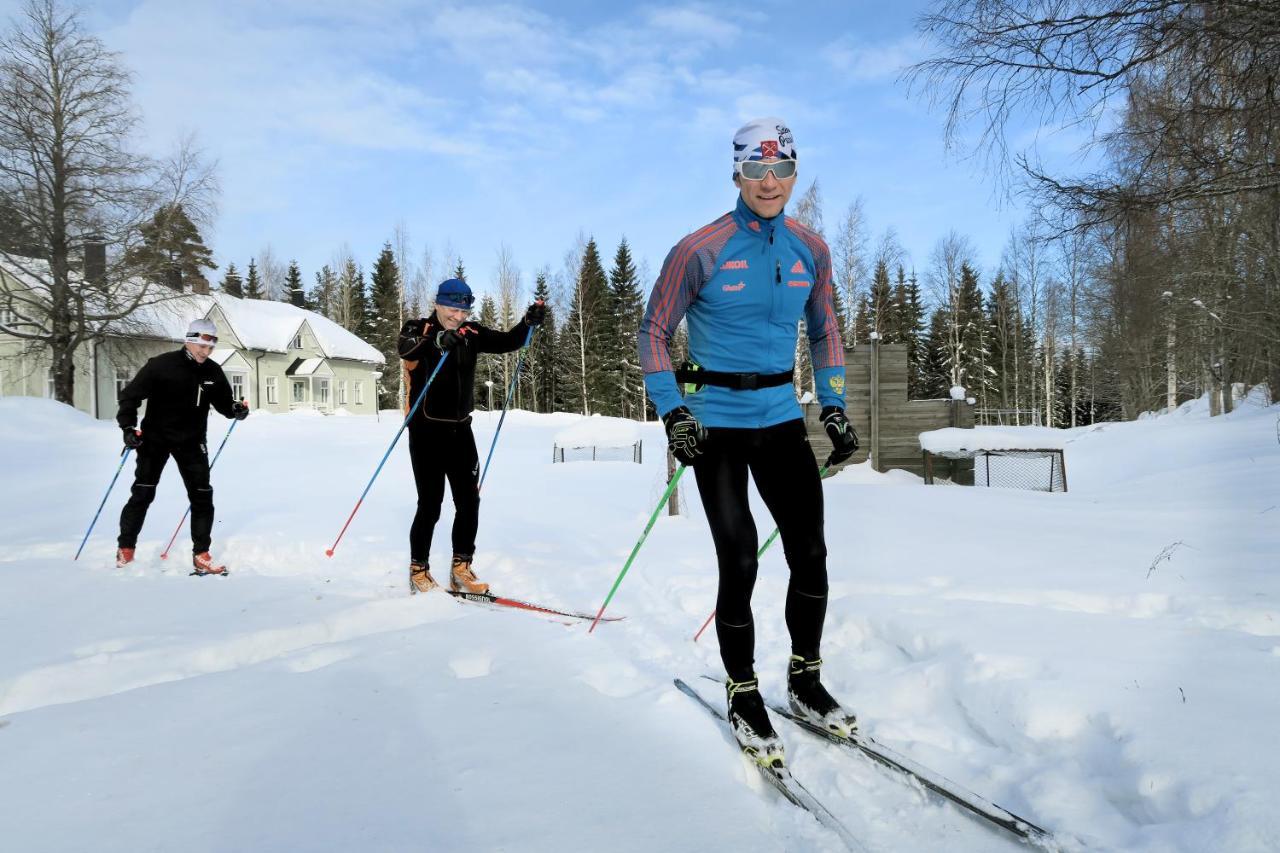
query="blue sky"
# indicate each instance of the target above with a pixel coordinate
(522, 124)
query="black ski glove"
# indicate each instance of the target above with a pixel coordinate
(132, 438)
(411, 336)
(239, 410)
(685, 435)
(844, 441)
(450, 338)
(535, 313)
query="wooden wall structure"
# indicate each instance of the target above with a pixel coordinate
(888, 424)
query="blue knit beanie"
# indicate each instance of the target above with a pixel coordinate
(454, 293)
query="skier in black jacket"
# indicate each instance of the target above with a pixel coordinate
(441, 444)
(179, 388)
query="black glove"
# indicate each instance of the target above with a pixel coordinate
(685, 435)
(411, 336)
(239, 410)
(535, 313)
(844, 441)
(132, 438)
(450, 338)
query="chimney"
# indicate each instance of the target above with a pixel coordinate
(297, 298)
(173, 277)
(200, 284)
(95, 260)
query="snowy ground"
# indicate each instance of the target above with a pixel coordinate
(1105, 662)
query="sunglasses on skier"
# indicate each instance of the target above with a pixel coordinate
(203, 340)
(755, 170)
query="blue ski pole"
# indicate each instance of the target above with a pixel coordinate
(416, 403)
(123, 457)
(178, 529)
(510, 390)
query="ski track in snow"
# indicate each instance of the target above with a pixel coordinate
(1044, 661)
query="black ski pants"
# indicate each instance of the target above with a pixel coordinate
(193, 465)
(443, 450)
(786, 475)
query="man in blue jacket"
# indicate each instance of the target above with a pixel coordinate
(743, 283)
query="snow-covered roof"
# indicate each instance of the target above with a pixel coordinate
(260, 324)
(305, 367)
(599, 431)
(953, 439)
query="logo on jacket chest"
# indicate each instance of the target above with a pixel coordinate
(734, 265)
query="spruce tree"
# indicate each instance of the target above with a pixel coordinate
(252, 283)
(581, 341)
(880, 304)
(171, 241)
(972, 353)
(912, 325)
(1002, 325)
(352, 309)
(292, 283)
(324, 296)
(626, 305)
(935, 366)
(460, 271)
(231, 282)
(539, 370)
(384, 331)
(487, 367)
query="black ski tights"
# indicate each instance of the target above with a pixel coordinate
(443, 450)
(786, 475)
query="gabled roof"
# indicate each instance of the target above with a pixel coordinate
(259, 324)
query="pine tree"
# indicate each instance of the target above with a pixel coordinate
(880, 303)
(626, 304)
(231, 282)
(352, 310)
(171, 241)
(935, 364)
(384, 295)
(581, 339)
(324, 296)
(910, 329)
(293, 283)
(972, 353)
(488, 387)
(1002, 324)
(252, 283)
(460, 271)
(539, 371)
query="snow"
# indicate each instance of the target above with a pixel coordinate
(951, 439)
(597, 431)
(1105, 662)
(957, 392)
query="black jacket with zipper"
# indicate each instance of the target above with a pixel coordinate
(452, 394)
(179, 391)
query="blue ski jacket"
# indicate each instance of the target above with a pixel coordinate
(744, 283)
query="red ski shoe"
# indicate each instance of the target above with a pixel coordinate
(203, 564)
(124, 556)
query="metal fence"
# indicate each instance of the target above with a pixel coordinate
(1036, 470)
(597, 453)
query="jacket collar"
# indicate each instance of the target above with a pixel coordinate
(752, 223)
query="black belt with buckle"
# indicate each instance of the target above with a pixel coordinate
(736, 381)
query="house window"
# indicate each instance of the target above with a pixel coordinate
(322, 392)
(296, 343)
(8, 317)
(273, 390)
(123, 375)
(359, 393)
(237, 385)
(342, 392)
(298, 391)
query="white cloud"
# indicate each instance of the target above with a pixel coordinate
(873, 63)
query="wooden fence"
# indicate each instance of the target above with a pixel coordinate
(888, 424)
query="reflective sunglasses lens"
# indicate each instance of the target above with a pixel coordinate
(754, 170)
